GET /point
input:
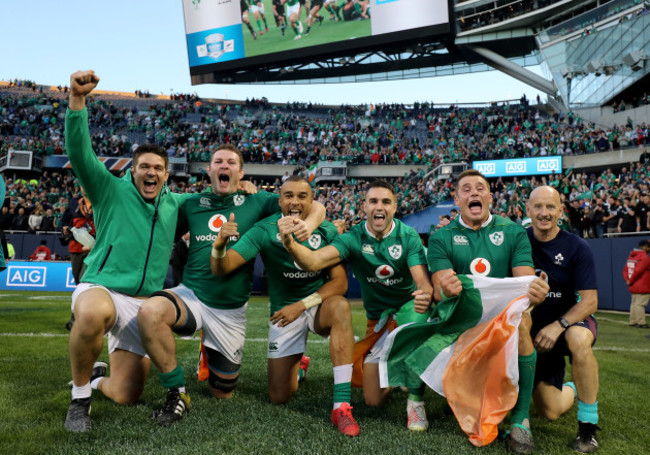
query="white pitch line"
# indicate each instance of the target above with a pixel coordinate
(264, 340)
(58, 335)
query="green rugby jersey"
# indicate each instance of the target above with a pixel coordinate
(205, 213)
(287, 282)
(382, 267)
(493, 250)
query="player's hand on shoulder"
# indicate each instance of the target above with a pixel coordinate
(538, 289)
(340, 226)
(247, 187)
(83, 82)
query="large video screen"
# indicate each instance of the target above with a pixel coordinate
(227, 35)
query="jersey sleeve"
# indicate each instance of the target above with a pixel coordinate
(251, 242)
(344, 244)
(522, 254)
(92, 174)
(269, 203)
(330, 233)
(438, 256)
(416, 255)
(584, 267)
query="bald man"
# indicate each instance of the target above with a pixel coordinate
(563, 325)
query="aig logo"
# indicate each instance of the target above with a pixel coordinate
(26, 276)
(486, 168)
(548, 165)
(515, 166)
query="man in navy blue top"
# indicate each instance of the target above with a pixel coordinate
(563, 325)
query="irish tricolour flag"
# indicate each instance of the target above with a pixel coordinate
(467, 352)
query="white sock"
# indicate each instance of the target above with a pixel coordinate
(95, 382)
(343, 373)
(83, 391)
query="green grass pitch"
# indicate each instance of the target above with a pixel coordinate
(34, 397)
(273, 41)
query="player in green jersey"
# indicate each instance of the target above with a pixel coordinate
(293, 12)
(482, 244)
(217, 305)
(388, 259)
(136, 221)
(301, 301)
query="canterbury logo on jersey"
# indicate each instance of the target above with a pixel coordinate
(460, 240)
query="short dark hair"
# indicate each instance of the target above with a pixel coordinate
(379, 183)
(296, 178)
(150, 148)
(471, 173)
(231, 148)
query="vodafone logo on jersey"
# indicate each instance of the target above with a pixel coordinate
(384, 272)
(480, 267)
(216, 221)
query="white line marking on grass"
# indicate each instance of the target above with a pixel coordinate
(619, 349)
(50, 297)
(55, 335)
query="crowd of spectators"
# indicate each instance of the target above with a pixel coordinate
(489, 14)
(302, 134)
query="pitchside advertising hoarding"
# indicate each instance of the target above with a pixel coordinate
(37, 276)
(520, 166)
(218, 38)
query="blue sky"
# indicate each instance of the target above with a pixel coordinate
(140, 44)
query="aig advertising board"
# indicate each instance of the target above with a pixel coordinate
(520, 166)
(37, 276)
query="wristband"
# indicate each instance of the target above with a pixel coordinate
(218, 253)
(312, 300)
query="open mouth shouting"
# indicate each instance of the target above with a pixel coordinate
(149, 186)
(224, 181)
(475, 208)
(295, 212)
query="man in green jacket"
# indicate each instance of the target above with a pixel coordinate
(135, 218)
